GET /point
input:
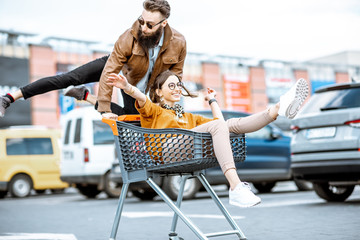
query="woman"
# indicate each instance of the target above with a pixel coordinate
(164, 112)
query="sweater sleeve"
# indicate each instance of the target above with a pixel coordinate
(201, 120)
(148, 110)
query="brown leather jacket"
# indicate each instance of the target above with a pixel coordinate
(133, 60)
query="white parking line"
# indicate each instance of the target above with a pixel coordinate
(37, 236)
(170, 214)
(292, 202)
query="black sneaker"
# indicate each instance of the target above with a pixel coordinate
(76, 92)
(4, 104)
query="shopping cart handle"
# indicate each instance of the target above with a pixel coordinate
(122, 118)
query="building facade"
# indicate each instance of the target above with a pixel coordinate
(242, 84)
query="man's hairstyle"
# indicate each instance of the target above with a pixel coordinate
(161, 6)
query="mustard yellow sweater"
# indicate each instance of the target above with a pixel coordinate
(154, 116)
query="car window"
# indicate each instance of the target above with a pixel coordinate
(77, 136)
(67, 133)
(263, 133)
(204, 114)
(29, 146)
(102, 133)
(335, 99)
(229, 115)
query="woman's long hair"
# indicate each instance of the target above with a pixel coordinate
(160, 80)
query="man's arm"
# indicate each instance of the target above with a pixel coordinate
(114, 64)
(178, 67)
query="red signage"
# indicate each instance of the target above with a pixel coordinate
(237, 93)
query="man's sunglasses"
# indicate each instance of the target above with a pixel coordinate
(149, 25)
(178, 84)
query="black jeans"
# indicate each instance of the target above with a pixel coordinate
(87, 73)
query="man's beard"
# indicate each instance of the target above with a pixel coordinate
(149, 41)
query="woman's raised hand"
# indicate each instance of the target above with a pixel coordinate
(210, 94)
(116, 80)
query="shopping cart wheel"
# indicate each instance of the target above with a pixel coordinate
(174, 236)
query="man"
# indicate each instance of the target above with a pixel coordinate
(148, 48)
(145, 50)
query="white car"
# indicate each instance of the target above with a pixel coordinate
(87, 153)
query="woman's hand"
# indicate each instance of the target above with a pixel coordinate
(211, 93)
(118, 81)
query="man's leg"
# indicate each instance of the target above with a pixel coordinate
(82, 93)
(87, 73)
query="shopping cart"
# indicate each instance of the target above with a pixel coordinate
(145, 154)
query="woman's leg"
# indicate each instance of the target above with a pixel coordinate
(221, 142)
(253, 122)
(240, 193)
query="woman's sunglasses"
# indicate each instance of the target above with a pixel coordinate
(149, 25)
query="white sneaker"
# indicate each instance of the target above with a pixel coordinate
(242, 196)
(292, 100)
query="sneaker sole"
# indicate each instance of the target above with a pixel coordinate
(68, 93)
(302, 90)
(244, 205)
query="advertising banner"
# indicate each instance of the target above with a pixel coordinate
(237, 92)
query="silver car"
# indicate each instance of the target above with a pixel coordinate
(326, 143)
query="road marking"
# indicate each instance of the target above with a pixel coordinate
(171, 214)
(37, 236)
(265, 204)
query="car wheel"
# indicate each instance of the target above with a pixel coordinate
(303, 185)
(144, 194)
(264, 187)
(57, 190)
(20, 186)
(3, 194)
(333, 193)
(171, 186)
(90, 191)
(111, 188)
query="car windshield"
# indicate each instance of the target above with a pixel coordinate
(102, 133)
(335, 99)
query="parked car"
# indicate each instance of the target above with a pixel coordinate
(326, 142)
(88, 152)
(267, 162)
(29, 159)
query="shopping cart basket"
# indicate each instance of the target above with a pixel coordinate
(145, 154)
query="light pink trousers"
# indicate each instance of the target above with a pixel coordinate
(220, 131)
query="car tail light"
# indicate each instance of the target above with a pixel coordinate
(294, 128)
(86, 155)
(354, 123)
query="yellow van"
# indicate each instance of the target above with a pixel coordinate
(29, 159)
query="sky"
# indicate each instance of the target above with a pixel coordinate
(288, 30)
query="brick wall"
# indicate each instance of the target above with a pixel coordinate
(342, 77)
(259, 99)
(42, 63)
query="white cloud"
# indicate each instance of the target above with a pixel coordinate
(279, 29)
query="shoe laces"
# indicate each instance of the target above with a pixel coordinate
(246, 185)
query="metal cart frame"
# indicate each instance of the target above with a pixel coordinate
(148, 153)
